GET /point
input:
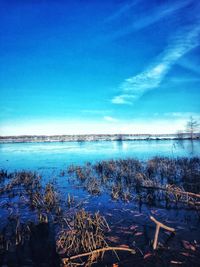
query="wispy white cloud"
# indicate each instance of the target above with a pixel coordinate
(158, 13)
(110, 119)
(123, 99)
(142, 19)
(151, 78)
(122, 11)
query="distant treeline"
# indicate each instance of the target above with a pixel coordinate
(93, 137)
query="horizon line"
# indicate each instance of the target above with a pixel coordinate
(99, 134)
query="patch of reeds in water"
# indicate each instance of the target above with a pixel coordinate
(85, 233)
(157, 180)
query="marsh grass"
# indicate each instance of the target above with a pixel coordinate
(24, 193)
(86, 232)
(159, 180)
(171, 183)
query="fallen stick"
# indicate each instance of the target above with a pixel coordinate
(158, 226)
(172, 191)
(65, 260)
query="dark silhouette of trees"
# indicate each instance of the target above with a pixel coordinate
(180, 135)
(192, 127)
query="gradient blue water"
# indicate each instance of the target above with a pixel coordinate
(60, 155)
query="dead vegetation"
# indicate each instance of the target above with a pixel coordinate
(27, 205)
(85, 233)
(159, 180)
(85, 238)
(81, 237)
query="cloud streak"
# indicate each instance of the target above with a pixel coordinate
(158, 14)
(122, 11)
(142, 19)
(110, 119)
(151, 78)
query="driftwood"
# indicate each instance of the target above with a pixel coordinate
(66, 260)
(158, 226)
(171, 190)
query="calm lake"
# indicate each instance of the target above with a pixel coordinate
(38, 156)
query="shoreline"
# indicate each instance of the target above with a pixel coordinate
(94, 138)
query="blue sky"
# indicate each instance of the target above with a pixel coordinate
(97, 66)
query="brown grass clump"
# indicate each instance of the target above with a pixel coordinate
(84, 234)
(93, 186)
(116, 191)
(50, 197)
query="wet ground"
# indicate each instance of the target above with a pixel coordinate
(31, 215)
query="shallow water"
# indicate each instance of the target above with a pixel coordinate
(54, 155)
(129, 221)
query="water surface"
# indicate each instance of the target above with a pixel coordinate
(56, 155)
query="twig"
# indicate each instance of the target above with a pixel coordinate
(172, 191)
(65, 260)
(158, 226)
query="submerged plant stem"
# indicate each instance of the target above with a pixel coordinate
(66, 260)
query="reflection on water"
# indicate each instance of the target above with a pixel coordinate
(60, 155)
(191, 146)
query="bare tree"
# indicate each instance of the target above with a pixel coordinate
(192, 126)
